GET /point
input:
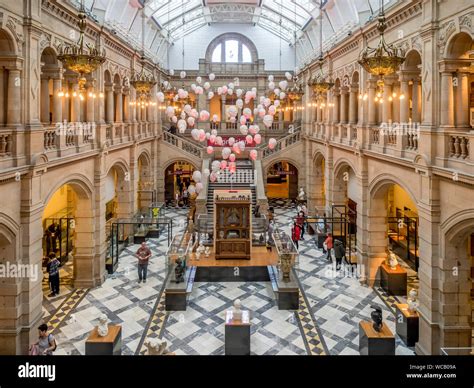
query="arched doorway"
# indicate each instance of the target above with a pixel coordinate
(282, 180)
(393, 226)
(178, 176)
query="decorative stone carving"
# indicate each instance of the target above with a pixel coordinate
(45, 41)
(207, 251)
(392, 260)
(466, 21)
(16, 28)
(376, 316)
(199, 251)
(445, 32)
(103, 328)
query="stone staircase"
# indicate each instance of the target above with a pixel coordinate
(242, 179)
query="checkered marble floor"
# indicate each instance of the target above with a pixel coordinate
(337, 299)
(200, 329)
(121, 298)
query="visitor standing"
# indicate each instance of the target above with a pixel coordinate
(53, 272)
(143, 254)
(46, 344)
(300, 220)
(296, 234)
(328, 244)
(185, 196)
(339, 253)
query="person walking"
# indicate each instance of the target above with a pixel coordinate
(185, 196)
(46, 344)
(143, 254)
(53, 272)
(296, 234)
(328, 244)
(300, 220)
(339, 253)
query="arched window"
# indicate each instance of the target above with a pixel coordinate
(232, 51)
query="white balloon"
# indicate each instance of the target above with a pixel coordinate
(288, 76)
(239, 92)
(253, 154)
(208, 135)
(282, 95)
(199, 90)
(270, 78)
(231, 85)
(197, 176)
(212, 76)
(174, 119)
(204, 115)
(202, 135)
(276, 103)
(210, 95)
(206, 172)
(214, 132)
(160, 96)
(219, 140)
(244, 130)
(183, 115)
(193, 87)
(199, 80)
(182, 125)
(207, 85)
(239, 103)
(182, 74)
(191, 121)
(195, 134)
(268, 120)
(283, 84)
(247, 112)
(231, 141)
(194, 113)
(232, 111)
(171, 71)
(199, 187)
(170, 111)
(267, 102)
(271, 85)
(215, 119)
(215, 165)
(272, 110)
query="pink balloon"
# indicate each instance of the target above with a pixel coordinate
(231, 141)
(202, 135)
(219, 140)
(232, 157)
(210, 150)
(212, 139)
(257, 138)
(249, 139)
(272, 143)
(223, 164)
(213, 177)
(253, 154)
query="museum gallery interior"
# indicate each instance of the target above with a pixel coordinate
(256, 177)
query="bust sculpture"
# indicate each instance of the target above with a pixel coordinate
(392, 261)
(103, 328)
(412, 300)
(301, 194)
(207, 251)
(236, 311)
(376, 316)
(199, 251)
(157, 348)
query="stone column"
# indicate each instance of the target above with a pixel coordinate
(447, 100)
(353, 104)
(110, 103)
(57, 101)
(223, 118)
(75, 104)
(126, 105)
(14, 97)
(462, 100)
(343, 108)
(372, 108)
(396, 103)
(335, 108)
(45, 100)
(404, 102)
(416, 99)
(2, 96)
(387, 106)
(118, 105)
(90, 104)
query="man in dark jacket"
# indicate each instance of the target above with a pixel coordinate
(339, 253)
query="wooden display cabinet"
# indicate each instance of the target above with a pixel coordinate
(232, 220)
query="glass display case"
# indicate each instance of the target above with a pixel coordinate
(58, 235)
(403, 238)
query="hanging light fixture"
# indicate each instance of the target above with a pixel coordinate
(383, 60)
(318, 83)
(296, 92)
(80, 57)
(142, 82)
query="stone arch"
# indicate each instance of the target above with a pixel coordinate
(317, 185)
(343, 172)
(10, 343)
(355, 77)
(8, 44)
(124, 189)
(85, 270)
(234, 36)
(169, 162)
(455, 289)
(377, 219)
(412, 60)
(458, 45)
(293, 183)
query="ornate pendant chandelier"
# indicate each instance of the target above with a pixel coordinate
(80, 57)
(142, 82)
(318, 83)
(296, 92)
(383, 60)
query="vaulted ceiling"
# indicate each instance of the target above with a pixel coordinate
(289, 20)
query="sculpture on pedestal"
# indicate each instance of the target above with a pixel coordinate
(103, 328)
(412, 300)
(392, 261)
(301, 195)
(199, 251)
(285, 265)
(157, 348)
(236, 311)
(179, 270)
(376, 316)
(207, 251)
